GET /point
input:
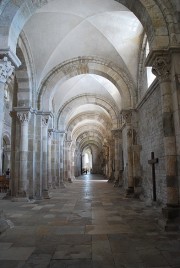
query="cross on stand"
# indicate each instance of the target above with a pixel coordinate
(152, 162)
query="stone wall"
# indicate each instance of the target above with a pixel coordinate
(150, 137)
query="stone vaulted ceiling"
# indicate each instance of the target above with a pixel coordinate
(63, 30)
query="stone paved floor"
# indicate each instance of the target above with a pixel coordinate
(89, 224)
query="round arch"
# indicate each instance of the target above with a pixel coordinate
(14, 15)
(64, 112)
(87, 65)
(96, 117)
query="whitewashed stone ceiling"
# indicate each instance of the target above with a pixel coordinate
(66, 29)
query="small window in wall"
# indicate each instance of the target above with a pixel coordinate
(150, 76)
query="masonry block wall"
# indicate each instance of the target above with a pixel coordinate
(151, 140)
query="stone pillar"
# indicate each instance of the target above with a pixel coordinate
(6, 70)
(68, 160)
(73, 155)
(111, 161)
(45, 119)
(49, 158)
(53, 159)
(161, 67)
(130, 161)
(127, 115)
(61, 156)
(137, 170)
(23, 115)
(117, 136)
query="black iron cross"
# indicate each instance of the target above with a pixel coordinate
(152, 162)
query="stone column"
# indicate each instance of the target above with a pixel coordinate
(61, 156)
(117, 136)
(73, 155)
(111, 161)
(106, 159)
(6, 70)
(23, 115)
(49, 159)
(68, 159)
(127, 115)
(45, 119)
(130, 161)
(161, 67)
(137, 170)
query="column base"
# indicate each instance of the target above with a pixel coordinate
(69, 180)
(111, 178)
(21, 197)
(45, 194)
(170, 220)
(116, 183)
(62, 185)
(130, 192)
(4, 223)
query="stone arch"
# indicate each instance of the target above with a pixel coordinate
(99, 117)
(14, 15)
(82, 99)
(23, 78)
(84, 133)
(157, 18)
(85, 136)
(87, 65)
(28, 63)
(87, 141)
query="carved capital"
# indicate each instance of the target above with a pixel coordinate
(127, 116)
(45, 120)
(50, 133)
(6, 69)
(68, 144)
(24, 117)
(117, 133)
(161, 68)
(130, 133)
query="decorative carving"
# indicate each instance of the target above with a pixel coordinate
(6, 69)
(127, 115)
(23, 117)
(45, 120)
(50, 132)
(117, 133)
(161, 68)
(130, 133)
(68, 144)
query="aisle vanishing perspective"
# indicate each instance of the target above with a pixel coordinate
(87, 224)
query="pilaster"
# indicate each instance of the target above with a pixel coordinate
(127, 115)
(6, 70)
(23, 115)
(117, 134)
(49, 181)
(45, 122)
(68, 172)
(60, 156)
(162, 67)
